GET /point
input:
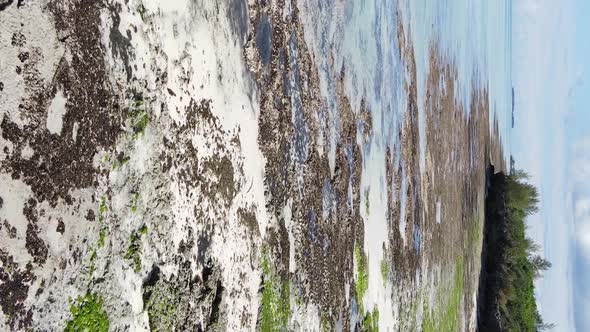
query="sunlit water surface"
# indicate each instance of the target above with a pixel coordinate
(359, 38)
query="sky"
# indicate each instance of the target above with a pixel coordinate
(551, 140)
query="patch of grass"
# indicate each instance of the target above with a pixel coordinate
(276, 308)
(134, 249)
(446, 316)
(88, 315)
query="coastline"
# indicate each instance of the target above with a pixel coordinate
(214, 179)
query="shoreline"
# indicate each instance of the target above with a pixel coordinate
(205, 191)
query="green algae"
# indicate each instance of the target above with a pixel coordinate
(88, 315)
(276, 309)
(362, 269)
(134, 250)
(446, 316)
(371, 321)
(134, 202)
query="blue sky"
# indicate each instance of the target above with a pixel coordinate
(551, 75)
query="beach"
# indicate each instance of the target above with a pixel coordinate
(284, 165)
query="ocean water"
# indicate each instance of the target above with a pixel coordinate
(473, 35)
(359, 39)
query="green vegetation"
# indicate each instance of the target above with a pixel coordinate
(92, 259)
(102, 209)
(510, 260)
(162, 308)
(88, 315)
(520, 264)
(93, 255)
(371, 321)
(276, 310)
(140, 117)
(134, 249)
(362, 281)
(325, 325)
(134, 201)
(101, 237)
(475, 230)
(384, 270)
(446, 317)
(140, 123)
(121, 163)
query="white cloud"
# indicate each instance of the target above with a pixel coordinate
(582, 225)
(580, 188)
(580, 172)
(544, 74)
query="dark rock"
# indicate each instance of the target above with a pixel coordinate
(5, 3)
(61, 227)
(14, 289)
(90, 216)
(172, 304)
(23, 56)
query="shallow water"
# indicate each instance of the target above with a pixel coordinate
(359, 39)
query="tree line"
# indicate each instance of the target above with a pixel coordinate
(510, 261)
